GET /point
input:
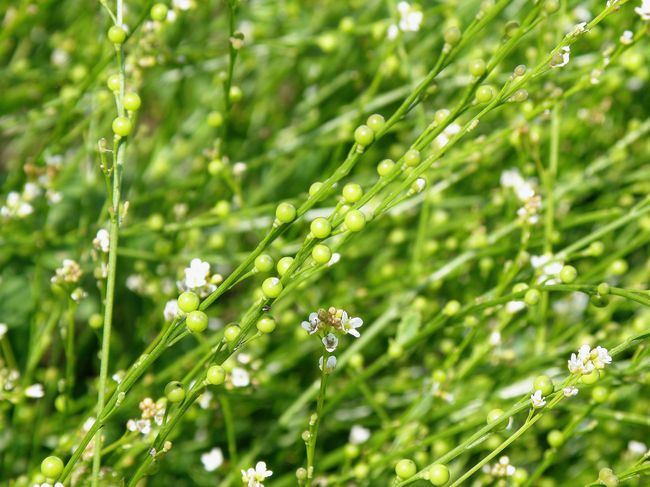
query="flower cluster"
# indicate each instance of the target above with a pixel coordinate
(410, 20)
(502, 468)
(588, 360)
(254, 477)
(644, 10)
(151, 411)
(525, 192)
(198, 279)
(69, 273)
(328, 324)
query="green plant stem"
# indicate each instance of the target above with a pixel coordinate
(314, 423)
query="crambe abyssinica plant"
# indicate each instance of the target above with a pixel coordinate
(380, 243)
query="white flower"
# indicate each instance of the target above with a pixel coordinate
(331, 363)
(196, 274)
(637, 447)
(537, 400)
(171, 310)
(350, 325)
(253, 477)
(587, 360)
(69, 272)
(513, 307)
(644, 10)
(495, 338)
(312, 324)
(239, 377)
(102, 240)
(3, 330)
(330, 342)
(512, 178)
(502, 468)
(35, 391)
(627, 38)
(31, 191)
(392, 32)
(570, 391)
(580, 28)
(561, 58)
(410, 18)
(212, 460)
(358, 435)
(182, 4)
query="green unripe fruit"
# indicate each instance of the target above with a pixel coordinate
(283, 265)
(272, 287)
(231, 333)
(412, 157)
(405, 469)
(543, 383)
(385, 167)
(266, 324)
(235, 94)
(376, 122)
(196, 321)
(351, 451)
(355, 220)
(352, 192)
(452, 35)
(188, 302)
(285, 212)
(551, 6)
(618, 267)
(215, 119)
(603, 289)
(263, 263)
(122, 126)
(477, 68)
(321, 227)
(568, 274)
(438, 474)
(96, 321)
(132, 101)
(215, 167)
(321, 254)
(314, 188)
(600, 394)
(590, 378)
(52, 467)
(492, 418)
(113, 82)
(175, 391)
(395, 350)
(520, 476)
(451, 308)
(216, 375)
(364, 135)
(598, 301)
(116, 34)
(532, 297)
(555, 438)
(159, 12)
(361, 471)
(484, 94)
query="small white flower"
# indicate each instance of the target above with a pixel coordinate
(350, 325)
(637, 447)
(31, 191)
(513, 307)
(392, 32)
(196, 274)
(69, 272)
(600, 357)
(627, 38)
(580, 28)
(359, 434)
(35, 391)
(311, 326)
(331, 363)
(171, 310)
(570, 391)
(512, 179)
(495, 338)
(182, 4)
(587, 360)
(410, 18)
(330, 342)
(253, 477)
(537, 400)
(102, 240)
(561, 58)
(644, 10)
(212, 460)
(239, 377)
